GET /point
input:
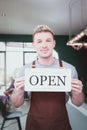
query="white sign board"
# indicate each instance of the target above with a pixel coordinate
(47, 79)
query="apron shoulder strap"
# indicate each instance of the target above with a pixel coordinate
(60, 63)
(33, 64)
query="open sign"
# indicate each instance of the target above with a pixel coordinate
(47, 79)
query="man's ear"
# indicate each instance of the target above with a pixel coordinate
(54, 43)
(33, 45)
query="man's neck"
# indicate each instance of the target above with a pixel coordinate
(46, 61)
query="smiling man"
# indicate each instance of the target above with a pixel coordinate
(47, 109)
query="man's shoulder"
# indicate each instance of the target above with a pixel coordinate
(68, 65)
(72, 67)
(21, 71)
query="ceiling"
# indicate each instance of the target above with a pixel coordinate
(65, 17)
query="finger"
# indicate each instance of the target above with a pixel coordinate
(19, 79)
(75, 89)
(19, 82)
(19, 85)
(77, 85)
(75, 81)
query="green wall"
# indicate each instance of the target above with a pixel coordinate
(67, 53)
(16, 38)
(76, 58)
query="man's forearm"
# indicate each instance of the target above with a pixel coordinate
(17, 98)
(77, 98)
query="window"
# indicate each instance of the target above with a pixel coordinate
(17, 54)
(2, 68)
(14, 59)
(14, 55)
(2, 46)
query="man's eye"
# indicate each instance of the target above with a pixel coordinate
(48, 40)
(39, 41)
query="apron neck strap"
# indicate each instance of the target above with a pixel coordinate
(34, 63)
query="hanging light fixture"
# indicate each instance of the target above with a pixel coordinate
(78, 37)
(80, 40)
(74, 42)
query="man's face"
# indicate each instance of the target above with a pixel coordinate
(44, 44)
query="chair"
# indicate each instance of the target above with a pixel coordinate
(9, 115)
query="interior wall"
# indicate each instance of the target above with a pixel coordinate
(76, 58)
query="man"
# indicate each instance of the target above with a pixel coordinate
(47, 109)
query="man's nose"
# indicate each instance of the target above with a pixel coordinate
(44, 44)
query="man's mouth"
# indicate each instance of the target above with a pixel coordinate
(44, 51)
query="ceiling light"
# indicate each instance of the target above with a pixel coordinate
(3, 14)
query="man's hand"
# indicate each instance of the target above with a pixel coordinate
(17, 96)
(77, 94)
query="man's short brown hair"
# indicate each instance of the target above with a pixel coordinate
(42, 28)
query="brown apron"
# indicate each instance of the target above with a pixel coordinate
(48, 110)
